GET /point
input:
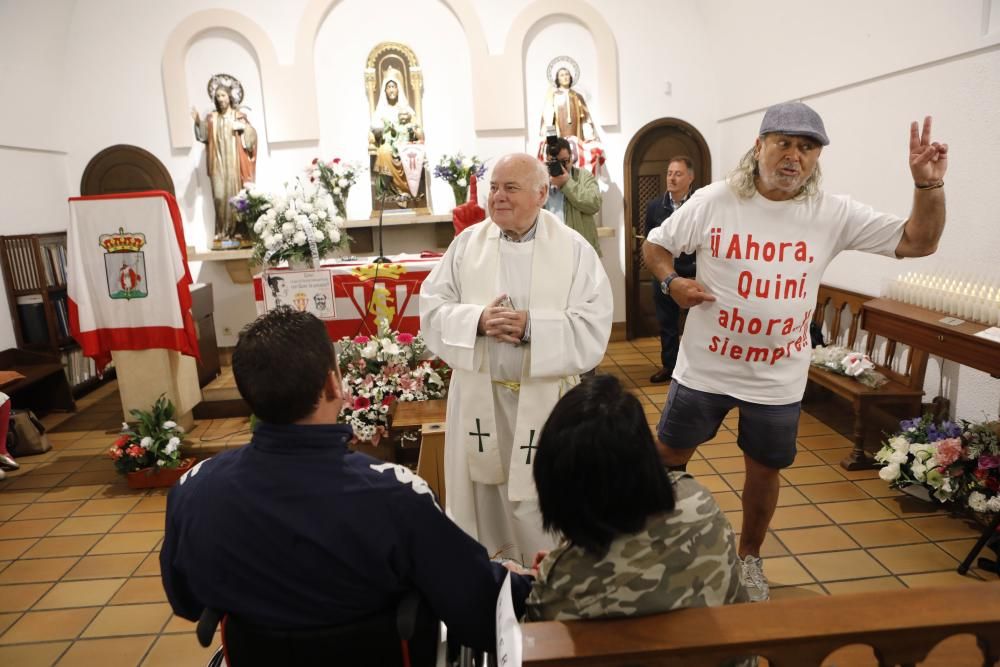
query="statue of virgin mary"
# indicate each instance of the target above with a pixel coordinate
(394, 124)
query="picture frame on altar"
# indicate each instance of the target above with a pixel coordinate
(305, 291)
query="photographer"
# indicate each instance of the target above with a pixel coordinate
(573, 193)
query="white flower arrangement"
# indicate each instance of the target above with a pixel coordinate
(380, 370)
(847, 362)
(301, 215)
(336, 177)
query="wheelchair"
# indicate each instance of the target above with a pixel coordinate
(406, 636)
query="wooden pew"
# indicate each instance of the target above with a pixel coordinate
(901, 626)
(838, 314)
(427, 420)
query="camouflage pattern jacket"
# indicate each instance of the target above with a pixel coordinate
(684, 558)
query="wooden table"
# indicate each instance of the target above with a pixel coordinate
(922, 328)
(429, 418)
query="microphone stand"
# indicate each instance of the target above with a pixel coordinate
(381, 187)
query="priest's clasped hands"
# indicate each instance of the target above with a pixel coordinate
(500, 320)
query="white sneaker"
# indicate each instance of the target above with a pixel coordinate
(8, 462)
(753, 579)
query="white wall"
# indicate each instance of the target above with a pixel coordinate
(33, 186)
(870, 70)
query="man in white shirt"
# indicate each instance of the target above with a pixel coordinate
(519, 306)
(764, 238)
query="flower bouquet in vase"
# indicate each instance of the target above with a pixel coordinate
(149, 452)
(301, 226)
(455, 170)
(379, 370)
(336, 177)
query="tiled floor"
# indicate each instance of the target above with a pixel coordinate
(78, 550)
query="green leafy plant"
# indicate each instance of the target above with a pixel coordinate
(153, 442)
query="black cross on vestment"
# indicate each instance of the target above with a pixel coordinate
(530, 446)
(479, 434)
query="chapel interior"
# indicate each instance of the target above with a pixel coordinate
(99, 94)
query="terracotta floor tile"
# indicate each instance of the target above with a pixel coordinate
(723, 437)
(841, 565)
(174, 650)
(150, 566)
(695, 468)
(30, 528)
(947, 578)
(129, 619)
(833, 492)
(140, 589)
(961, 548)
(786, 571)
(72, 492)
(9, 511)
(832, 456)
(113, 652)
(86, 525)
(91, 593)
(720, 451)
(179, 625)
(907, 507)
(11, 549)
(876, 488)
(728, 464)
(18, 497)
(727, 500)
(914, 558)
(856, 511)
(771, 548)
(37, 626)
(812, 540)
(127, 543)
(789, 495)
(32, 655)
(735, 518)
(36, 570)
(864, 585)
(798, 516)
(814, 429)
(106, 506)
(69, 545)
(60, 466)
(151, 504)
(49, 510)
(816, 442)
(884, 533)
(946, 527)
(35, 481)
(99, 567)
(20, 597)
(805, 458)
(736, 480)
(132, 523)
(857, 475)
(811, 475)
(7, 620)
(713, 483)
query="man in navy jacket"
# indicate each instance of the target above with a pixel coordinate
(296, 531)
(680, 176)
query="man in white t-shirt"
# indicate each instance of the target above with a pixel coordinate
(764, 237)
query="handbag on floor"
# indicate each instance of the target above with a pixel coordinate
(29, 434)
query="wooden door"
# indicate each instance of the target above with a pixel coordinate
(646, 161)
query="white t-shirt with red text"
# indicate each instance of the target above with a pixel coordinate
(763, 260)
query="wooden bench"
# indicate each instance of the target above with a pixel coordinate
(427, 419)
(838, 314)
(901, 626)
(44, 386)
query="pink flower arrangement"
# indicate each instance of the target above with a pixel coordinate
(947, 451)
(380, 370)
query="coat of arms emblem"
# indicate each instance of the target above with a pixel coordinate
(125, 264)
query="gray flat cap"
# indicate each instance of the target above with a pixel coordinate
(794, 118)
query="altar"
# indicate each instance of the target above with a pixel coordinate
(359, 291)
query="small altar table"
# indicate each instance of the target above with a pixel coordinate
(356, 301)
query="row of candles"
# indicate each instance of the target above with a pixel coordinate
(959, 295)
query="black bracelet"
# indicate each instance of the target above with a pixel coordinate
(929, 186)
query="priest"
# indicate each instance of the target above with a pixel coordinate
(519, 306)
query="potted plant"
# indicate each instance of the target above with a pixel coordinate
(149, 453)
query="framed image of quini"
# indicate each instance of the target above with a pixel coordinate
(125, 265)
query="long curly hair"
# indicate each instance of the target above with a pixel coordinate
(743, 179)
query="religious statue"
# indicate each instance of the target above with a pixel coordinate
(396, 139)
(565, 111)
(231, 143)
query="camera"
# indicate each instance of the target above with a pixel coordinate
(551, 150)
(555, 168)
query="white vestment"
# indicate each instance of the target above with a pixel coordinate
(566, 339)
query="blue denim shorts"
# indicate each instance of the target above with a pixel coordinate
(767, 432)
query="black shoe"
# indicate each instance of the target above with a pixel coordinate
(661, 376)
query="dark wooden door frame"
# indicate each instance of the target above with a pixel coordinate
(637, 146)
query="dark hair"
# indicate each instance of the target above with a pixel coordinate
(597, 471)
(564, 69)
(281, 363)
(682, 158)
(554, 147)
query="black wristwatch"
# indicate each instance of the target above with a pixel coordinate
(665, 284)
